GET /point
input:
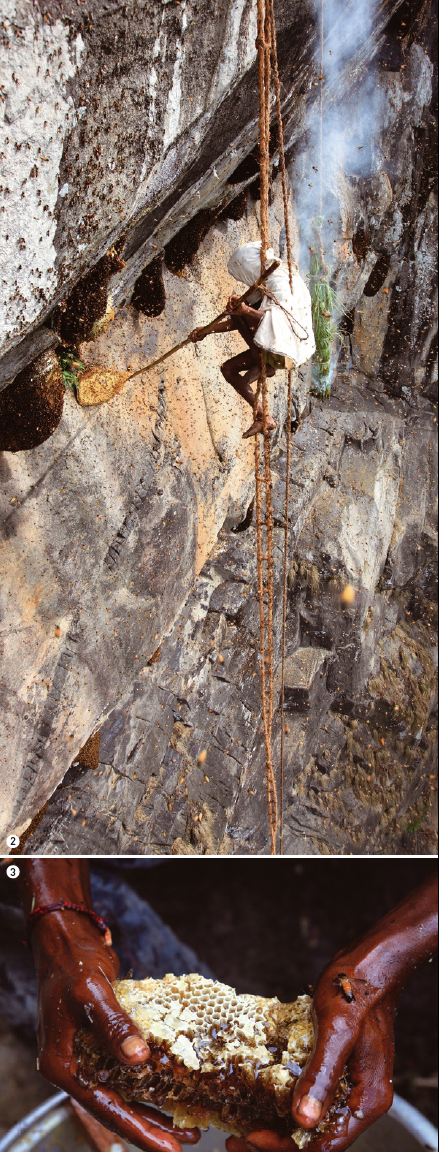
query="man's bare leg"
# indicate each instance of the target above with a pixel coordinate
(250, 362)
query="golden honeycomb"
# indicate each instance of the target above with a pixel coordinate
(215, 1057)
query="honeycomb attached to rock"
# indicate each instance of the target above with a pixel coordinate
(215, 1057)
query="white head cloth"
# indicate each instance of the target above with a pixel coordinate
(245, 262)
(286, 325)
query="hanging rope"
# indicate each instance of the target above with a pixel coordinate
(263, 477)
(267, 58)
(288, 436)
(322, 48)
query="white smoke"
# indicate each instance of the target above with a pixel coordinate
(343, 112)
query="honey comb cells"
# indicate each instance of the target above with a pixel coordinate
(215, 1057)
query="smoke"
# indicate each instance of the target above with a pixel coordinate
(346, 107)
(346, 30)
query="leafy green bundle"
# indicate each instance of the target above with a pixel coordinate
(324, 306)
(69, 361)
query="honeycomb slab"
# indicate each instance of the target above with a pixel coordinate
(215, 1057)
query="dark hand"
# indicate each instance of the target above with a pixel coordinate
(360, 1035)
(358, 1032)
(75, 971)
(233, 306)
(196, 335)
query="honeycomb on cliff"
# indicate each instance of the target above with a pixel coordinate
(215, 1057)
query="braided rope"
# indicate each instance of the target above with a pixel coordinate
(322, 48)
(67, 906)
(263, 478)
(289, 315)
(267, 58)
(289, 400)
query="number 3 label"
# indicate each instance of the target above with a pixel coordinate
(13, 872)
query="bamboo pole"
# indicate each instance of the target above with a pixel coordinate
(208, 327)
(97, 384)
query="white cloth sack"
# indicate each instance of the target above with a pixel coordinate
(287, 330)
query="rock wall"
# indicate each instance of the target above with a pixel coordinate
(107, 523)
(118, 125)
(359, 721)
(128, 567)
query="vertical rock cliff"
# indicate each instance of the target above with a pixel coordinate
(128, 557)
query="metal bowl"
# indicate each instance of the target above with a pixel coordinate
(53, 1128)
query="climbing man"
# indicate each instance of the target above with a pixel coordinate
(276, 325)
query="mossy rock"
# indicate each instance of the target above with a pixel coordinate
(31, 407)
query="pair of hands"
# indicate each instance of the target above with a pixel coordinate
(76, 970)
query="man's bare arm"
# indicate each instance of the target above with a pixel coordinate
(252, 316)
(75, 971)
(357, 1031)
(226, 325)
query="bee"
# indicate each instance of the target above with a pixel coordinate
(345, 986)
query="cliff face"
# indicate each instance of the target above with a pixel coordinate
(107, 523)
(120, 123)
(128, 566)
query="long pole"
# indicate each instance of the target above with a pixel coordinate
(208, 327)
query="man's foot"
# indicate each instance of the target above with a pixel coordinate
(258, 426)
